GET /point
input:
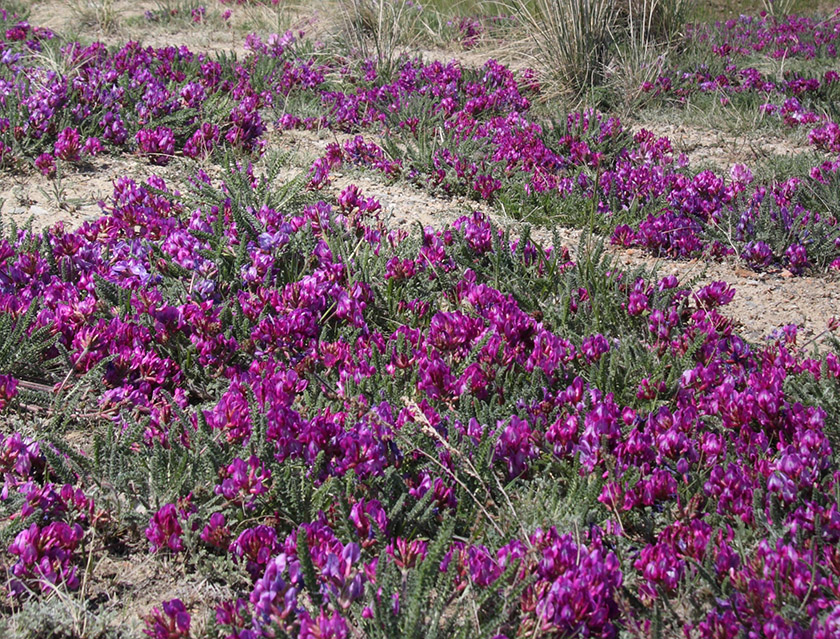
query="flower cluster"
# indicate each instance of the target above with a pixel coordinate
(242, 479)
(166, 527)
(372, 428)
(46, 558)
(158, 144)
(489, 147)
(171, 623)
(164, 100)
(730, 437)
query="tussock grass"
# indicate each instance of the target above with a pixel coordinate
(582, 45)
(95, 14)
(379, 29)
(570, 41)
(639, 56)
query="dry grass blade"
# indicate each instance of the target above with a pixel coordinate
(570, 39)
(379, 29)
(640, 50)
(279, 18)
(97, 14)
(664, 19)
(778, 8)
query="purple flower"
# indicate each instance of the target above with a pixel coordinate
(8, 390)
(216, 533)
(193, 95)
(114, 130)
(325, 626)
(363, 514)
(158, 144)
(797, 256)
(45, 163)
(165, 530)
(257, 546)
(246, 125)
(46, 557)
(93, 146)
(594, 346)
(740, 173)
(68, 145)
(171, 623)
(243, 482)
(407, 554)
(714, 295)
(757, 253)
(578, 585)
(274, 596)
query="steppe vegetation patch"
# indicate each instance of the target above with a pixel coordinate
(240, 398)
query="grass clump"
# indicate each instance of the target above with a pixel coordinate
(96, 14)
(571, 41)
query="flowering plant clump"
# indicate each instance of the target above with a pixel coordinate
(165, 527)
(68, 145)
(157, 99)
(171, 623)
(158, 144)
(332, 406)
(485, 142)
(45, 558)
(366, 431)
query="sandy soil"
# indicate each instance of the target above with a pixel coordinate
(719, 150)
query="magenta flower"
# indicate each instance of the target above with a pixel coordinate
(46, 557)
(93, 146)
(324, 626)
(797, 257)
(757, 253)
(714, 295)
(165, 530)
(158, 144)
(275, 594)
(216, 533)
(114, 130)
(256, 546)
(68, 145)
(45, 163)
(243, 482)
(171, 623)
(8, 390)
